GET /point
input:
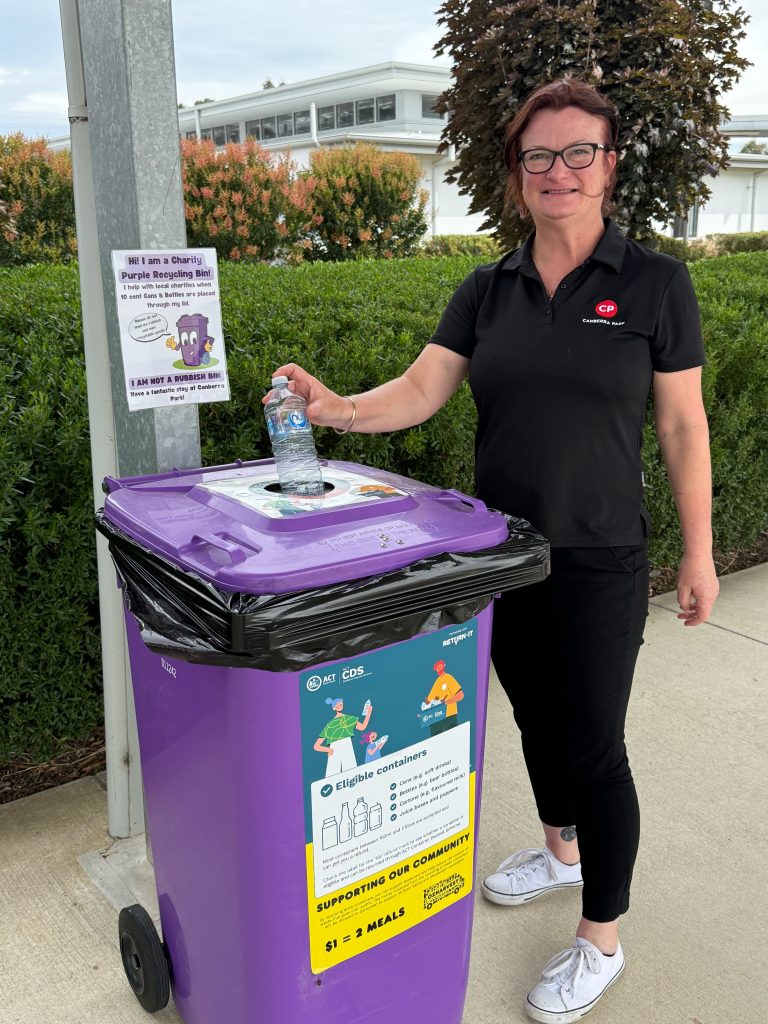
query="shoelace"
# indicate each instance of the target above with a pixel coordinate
(526, 860)
(568, 968)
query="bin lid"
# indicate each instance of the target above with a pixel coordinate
(231, 525)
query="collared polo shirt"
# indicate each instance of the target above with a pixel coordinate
(561, 385)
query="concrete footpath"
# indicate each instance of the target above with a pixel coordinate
(696, 938)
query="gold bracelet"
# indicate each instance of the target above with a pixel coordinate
(347, 429)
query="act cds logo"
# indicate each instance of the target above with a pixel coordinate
(606, 307)
(314, 683)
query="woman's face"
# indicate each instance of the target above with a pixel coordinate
(562, 194)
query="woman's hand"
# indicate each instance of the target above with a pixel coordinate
(324, 407)
(697, 589)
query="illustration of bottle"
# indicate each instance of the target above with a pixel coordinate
(374, 817)
(366, 707)
(330, 833)
(360, 817)
(345, 824)
(293, 446)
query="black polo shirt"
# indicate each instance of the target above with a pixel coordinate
(561, 385)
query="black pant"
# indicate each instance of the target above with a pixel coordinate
(565, 652)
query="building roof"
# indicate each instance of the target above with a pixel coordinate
(328, 88)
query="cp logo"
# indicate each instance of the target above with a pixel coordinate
(606, 307)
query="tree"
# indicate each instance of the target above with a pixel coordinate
(753, 146)
(664, 63)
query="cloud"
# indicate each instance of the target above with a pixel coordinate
(52, 103)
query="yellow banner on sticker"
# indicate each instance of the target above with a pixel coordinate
(373, 909)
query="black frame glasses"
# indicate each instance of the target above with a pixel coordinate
(555, 153)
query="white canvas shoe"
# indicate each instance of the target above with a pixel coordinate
(572, 983)
(528, 874)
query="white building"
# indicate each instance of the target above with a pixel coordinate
(739, 200)
(391, 105)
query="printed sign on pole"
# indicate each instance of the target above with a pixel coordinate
(170, 326)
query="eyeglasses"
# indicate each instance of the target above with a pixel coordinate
(576, 157)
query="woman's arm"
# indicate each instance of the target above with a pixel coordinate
(681, 427)
(424, 388)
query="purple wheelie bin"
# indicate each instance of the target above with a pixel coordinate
(310, 679)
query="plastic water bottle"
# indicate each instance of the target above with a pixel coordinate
(292, 443)
(360, 817)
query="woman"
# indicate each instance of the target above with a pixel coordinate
(562, 341)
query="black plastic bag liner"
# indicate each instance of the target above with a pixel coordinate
(184, 616)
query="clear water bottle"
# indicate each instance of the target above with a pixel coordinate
(292, 443)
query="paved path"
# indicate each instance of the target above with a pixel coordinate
(696, 938)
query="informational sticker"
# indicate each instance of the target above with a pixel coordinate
(259, 490)
(169, 313)
(388, 763)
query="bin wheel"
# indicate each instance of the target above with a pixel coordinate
(144, 960)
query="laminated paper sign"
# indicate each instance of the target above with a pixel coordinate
(388, 744)
(170, 326)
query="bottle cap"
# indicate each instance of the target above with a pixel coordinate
(279, 382)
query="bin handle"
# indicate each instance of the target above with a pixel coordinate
(451, 495)
(211, 540)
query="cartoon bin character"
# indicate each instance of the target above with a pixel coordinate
(194, 342)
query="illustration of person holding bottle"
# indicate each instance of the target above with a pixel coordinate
(373, 745)
(449, 691)
(336, 738)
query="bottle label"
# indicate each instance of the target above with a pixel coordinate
(296, 420)
(283, 422)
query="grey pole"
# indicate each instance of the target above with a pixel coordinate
(128, 195)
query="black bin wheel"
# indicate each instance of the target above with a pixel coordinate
(144, 958)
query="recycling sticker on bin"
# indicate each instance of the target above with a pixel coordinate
(171, 337)
(389, 776)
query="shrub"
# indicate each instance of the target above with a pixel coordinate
(745, 241)
(50, 674)
(244, 203)
(355, 325)
(37, 192)
(485, 247)
(370, 201)
(712, 245)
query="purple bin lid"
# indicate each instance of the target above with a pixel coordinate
(231, 526)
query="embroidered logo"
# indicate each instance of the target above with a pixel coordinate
(607, 308)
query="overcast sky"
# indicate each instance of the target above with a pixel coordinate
(230, 47)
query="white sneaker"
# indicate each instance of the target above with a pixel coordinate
(528, 874)
(572, 982)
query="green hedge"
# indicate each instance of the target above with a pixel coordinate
(355, 325)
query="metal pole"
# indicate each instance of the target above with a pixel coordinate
(127, 183)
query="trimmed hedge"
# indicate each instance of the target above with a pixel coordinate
(353, 324)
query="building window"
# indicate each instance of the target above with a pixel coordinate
(385, 108)
(253, 129)
(345, 115)
(326, 118)
(284, 125)
(428, 107)
(191, 135)
(268, 129)
(233, 133)
(301, 122)
(366, 111)
(220, 135)
(693, 221)
(206, 133)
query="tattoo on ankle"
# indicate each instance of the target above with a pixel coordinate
(568, 834)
